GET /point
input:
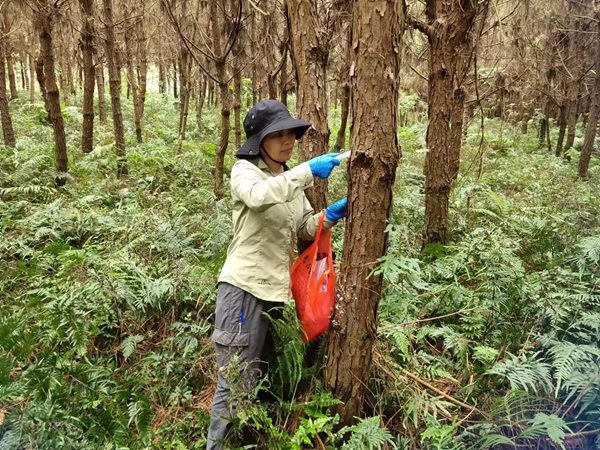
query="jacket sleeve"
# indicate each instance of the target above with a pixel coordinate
(248, 185)
(310, 222)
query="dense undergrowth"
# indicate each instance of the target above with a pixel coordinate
(107, 288)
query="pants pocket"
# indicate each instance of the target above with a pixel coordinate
(229, 315)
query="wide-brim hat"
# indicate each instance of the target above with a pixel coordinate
(266, 117)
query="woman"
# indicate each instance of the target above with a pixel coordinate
(270, 211)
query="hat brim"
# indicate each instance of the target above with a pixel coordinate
(251, 147)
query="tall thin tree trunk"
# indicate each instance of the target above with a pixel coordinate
(143, 65)
(375, 156)
(102, 113)
(283, 76)
(8, 132)
(133, 83)
(31, 63)
(41, 78)
(309, 55)
(175, 92)
(43, 24)
(184, 91)
(340, 142)
(87, 47)
(590, 131)
(115, 89)
(572, 126)
(222, 77)
(200, 101)
(11, 74)
(562, 127)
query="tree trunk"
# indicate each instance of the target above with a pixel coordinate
(200, 101)
(115, 89)
(43, 24)
(41, 78)
(87, 47)
(142, 57)
(562, 127)
(31, 78)
(237, 106)
(283, 76)
(184, 91)
(8, 132)
(375, 156)
(24, 73)
(11, 73)
(175, 94)
(133, 82)
(590, 132)
(449, 39)
(340, 142)
(309, 56)
(222, 77)
(102, 113)
(572, 125)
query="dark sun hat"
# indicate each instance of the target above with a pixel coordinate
(264, 118)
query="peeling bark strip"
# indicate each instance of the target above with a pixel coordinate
(309, 56)
(376, 33)
(87, 39)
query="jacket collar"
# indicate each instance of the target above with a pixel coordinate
(262, 165)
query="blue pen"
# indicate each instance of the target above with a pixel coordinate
(242, 320)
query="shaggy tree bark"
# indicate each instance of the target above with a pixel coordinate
(590, 132)
(43, 21)
(448, 32)
(8, 132)
(375, 154)
(115, 89)
(309, 54)
(218, 29)
(87, 47)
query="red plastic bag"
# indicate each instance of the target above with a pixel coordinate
(313, 285)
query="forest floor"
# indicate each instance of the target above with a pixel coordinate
(107, 290)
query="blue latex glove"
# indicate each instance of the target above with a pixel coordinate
(336, 211)
(321, 166)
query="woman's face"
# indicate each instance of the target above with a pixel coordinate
(279, 145)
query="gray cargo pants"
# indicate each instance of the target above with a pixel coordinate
(240, 332)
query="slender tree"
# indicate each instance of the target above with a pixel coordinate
(375, 155)
(8, 132)
(87, 48)
(99, 69)
(115, 88)
(44, 14)
(132, 79)
(592, 123)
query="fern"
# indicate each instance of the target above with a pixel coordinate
(367, 434)
(524, 372)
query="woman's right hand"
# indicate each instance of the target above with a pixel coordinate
(321, 166)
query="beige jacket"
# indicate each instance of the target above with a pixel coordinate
(270, 211)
